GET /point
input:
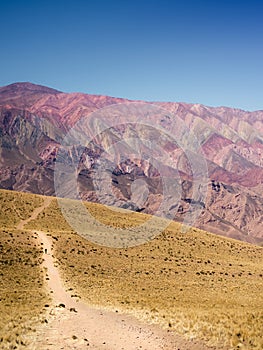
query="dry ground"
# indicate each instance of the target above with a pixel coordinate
(197, 284)
(17, 206)
(22, 294)
(72, 324)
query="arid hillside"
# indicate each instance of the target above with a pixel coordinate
(23, 294)
(151, 166)
(196, 284)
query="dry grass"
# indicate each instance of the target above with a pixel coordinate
(186, 283)
(22, 296)
(197, 284)
(17, 206)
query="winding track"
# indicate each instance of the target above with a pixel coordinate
(71, 324)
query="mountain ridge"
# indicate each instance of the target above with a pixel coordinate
(43, 88)
(34, 118)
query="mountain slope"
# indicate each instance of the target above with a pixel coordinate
(197, 284)
(34, 119)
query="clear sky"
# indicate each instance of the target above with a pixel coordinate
(208, 52)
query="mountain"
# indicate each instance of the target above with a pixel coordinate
(35, 119)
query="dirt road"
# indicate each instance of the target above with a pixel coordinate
(71, 324)
(36, 212)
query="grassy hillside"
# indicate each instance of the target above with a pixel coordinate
(22, 293)
(16, 206)
(22, 296)
(197, 284)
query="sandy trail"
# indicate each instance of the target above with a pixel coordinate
(71, 324)
(84, 327)
(36, 212)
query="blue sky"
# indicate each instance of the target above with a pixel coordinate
(208, 52)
